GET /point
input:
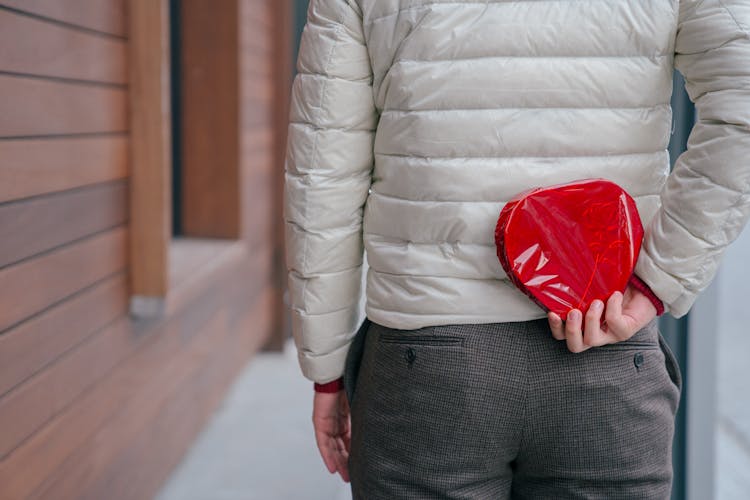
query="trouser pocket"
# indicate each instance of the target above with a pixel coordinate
(354, 359)
(673, 368)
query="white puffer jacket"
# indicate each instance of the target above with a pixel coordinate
(413, 121)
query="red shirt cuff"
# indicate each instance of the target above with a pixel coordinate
(332, 386)
(642, 287)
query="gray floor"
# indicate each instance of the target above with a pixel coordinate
(260, 444)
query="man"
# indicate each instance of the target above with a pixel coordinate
(412, 122)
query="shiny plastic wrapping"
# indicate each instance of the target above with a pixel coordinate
(565, 246)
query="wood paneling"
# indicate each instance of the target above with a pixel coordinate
(31, 346)
(95, 403)
(25, 409)
(32, 107)
(106, 16)
(266, 62)
(82, 442)
(210, 120)
(36, 166)
(150, 118)
(35, 47)
(35, 284)
(39, 224)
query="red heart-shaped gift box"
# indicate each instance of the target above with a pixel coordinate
(565, 246)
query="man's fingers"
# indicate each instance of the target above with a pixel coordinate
(573, 333)
(347, 438)
(592, 333)
(556, 326)
(341, 457)
(345, 422)
(343, 463)
(327, 451)
(615, 322)
(334, 454)
(581, 333)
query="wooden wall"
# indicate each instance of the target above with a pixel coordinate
(93, 404)
(266, 62)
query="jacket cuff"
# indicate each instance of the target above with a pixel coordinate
(642, 287)
(332, 386)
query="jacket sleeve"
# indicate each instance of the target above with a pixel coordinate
(704, 204)
(328, 168)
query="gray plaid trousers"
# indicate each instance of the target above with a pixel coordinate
(503, 410)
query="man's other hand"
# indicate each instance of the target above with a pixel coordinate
(332, 423)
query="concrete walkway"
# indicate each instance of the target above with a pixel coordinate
(260, 444)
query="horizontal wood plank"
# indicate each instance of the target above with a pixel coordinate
(38, 224)
(106, 16)
(35, 47)
(33, 285)
(31, 346)
(32, 107)
(37, 166)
